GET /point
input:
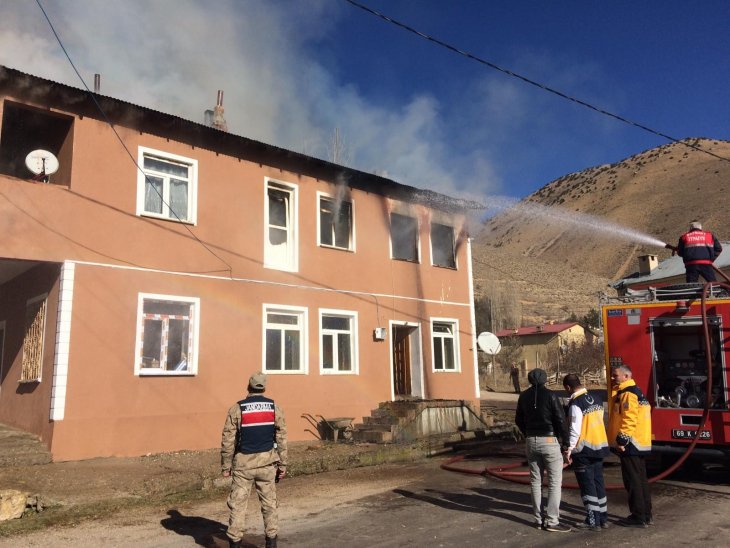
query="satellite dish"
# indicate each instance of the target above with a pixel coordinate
(489, 343)
(41, 162)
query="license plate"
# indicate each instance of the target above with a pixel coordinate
(679, 434)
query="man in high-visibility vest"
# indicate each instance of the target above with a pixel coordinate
(629, 434)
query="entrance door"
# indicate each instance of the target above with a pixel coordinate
(402, 360)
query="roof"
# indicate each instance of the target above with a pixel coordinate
(116, 111)
(536, 330)
(669, 268)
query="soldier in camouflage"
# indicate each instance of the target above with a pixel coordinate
(253, 451)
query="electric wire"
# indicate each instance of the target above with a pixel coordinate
(229, 269)
(530, 81)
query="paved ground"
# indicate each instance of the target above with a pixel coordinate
(408, 505)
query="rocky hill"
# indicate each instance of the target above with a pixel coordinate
(562, 244)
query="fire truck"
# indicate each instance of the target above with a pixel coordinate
(676, 339)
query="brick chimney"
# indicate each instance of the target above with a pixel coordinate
(647, 264)
(214, 118)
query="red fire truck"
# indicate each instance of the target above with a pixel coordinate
(676, 339)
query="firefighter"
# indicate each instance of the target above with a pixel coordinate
(587, 447)
(254, 452)
(698, 249)
(629, 434)
(541, 419)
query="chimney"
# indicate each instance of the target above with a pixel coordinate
(214, 118)
(539, 328)
(97, 83)
(647, 263)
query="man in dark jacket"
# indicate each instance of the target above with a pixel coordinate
(699, 249)
(541, 419)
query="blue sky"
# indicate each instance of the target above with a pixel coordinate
(293, 70)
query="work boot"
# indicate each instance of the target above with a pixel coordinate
(234, 543)
(271, 542)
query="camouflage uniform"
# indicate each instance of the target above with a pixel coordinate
(257, 469)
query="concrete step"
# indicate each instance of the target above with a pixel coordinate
(376, 427)
(19, 448)
(373, 436)
(380, 420)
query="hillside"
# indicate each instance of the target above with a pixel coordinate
(549, 251)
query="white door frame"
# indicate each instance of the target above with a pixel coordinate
(416, 358)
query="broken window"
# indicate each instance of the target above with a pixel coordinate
(167, 336)
(335, 223)
(442, 245)
(404, 237)
(35, 324)
(338, 342)
(25, 129)
(166, 186)
(444, 345)
(281, 243)
(285, 337)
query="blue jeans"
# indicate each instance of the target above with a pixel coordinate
(543, 453)
(589, 473)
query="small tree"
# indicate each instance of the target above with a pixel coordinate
(584, 359)
(592, 319)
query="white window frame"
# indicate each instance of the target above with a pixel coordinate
(325, 196)
(453, 246)
(418, 237)
(457, 358)
(303, 314)
(192, 213)
(292, 261)
(354, 348)
(193, 338)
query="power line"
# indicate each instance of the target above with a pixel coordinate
(529, 80)
(124, 146)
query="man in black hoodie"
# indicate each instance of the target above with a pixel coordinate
(541, 419)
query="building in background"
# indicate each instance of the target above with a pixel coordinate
(164, 261)
(543, 345)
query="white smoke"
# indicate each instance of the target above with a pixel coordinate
(173, 56)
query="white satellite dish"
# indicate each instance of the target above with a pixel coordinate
(489, 343)
(41, 162)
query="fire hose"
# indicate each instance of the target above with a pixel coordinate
(506, 471)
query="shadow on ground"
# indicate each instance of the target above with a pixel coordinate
(205, 532)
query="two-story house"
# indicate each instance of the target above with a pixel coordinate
(164, 261)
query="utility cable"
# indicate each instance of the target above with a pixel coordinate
(529, 80)
(124, 146)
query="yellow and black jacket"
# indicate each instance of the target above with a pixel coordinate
(629, 423)
(587, 433)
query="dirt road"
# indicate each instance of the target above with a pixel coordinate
(409, 505)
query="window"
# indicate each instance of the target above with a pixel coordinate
(404, 237)
(35, 324)
(25, 129)
(335, 223)
(285, 339)
(280, 249)
(167, 343)
(167, 186)
(442, 245)
(338, 350)
(445, 347)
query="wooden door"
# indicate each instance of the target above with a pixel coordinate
(401, 360)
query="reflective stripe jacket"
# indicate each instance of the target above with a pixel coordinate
(587, 432)
(273, 450)
(698, 247)
(629, 423)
